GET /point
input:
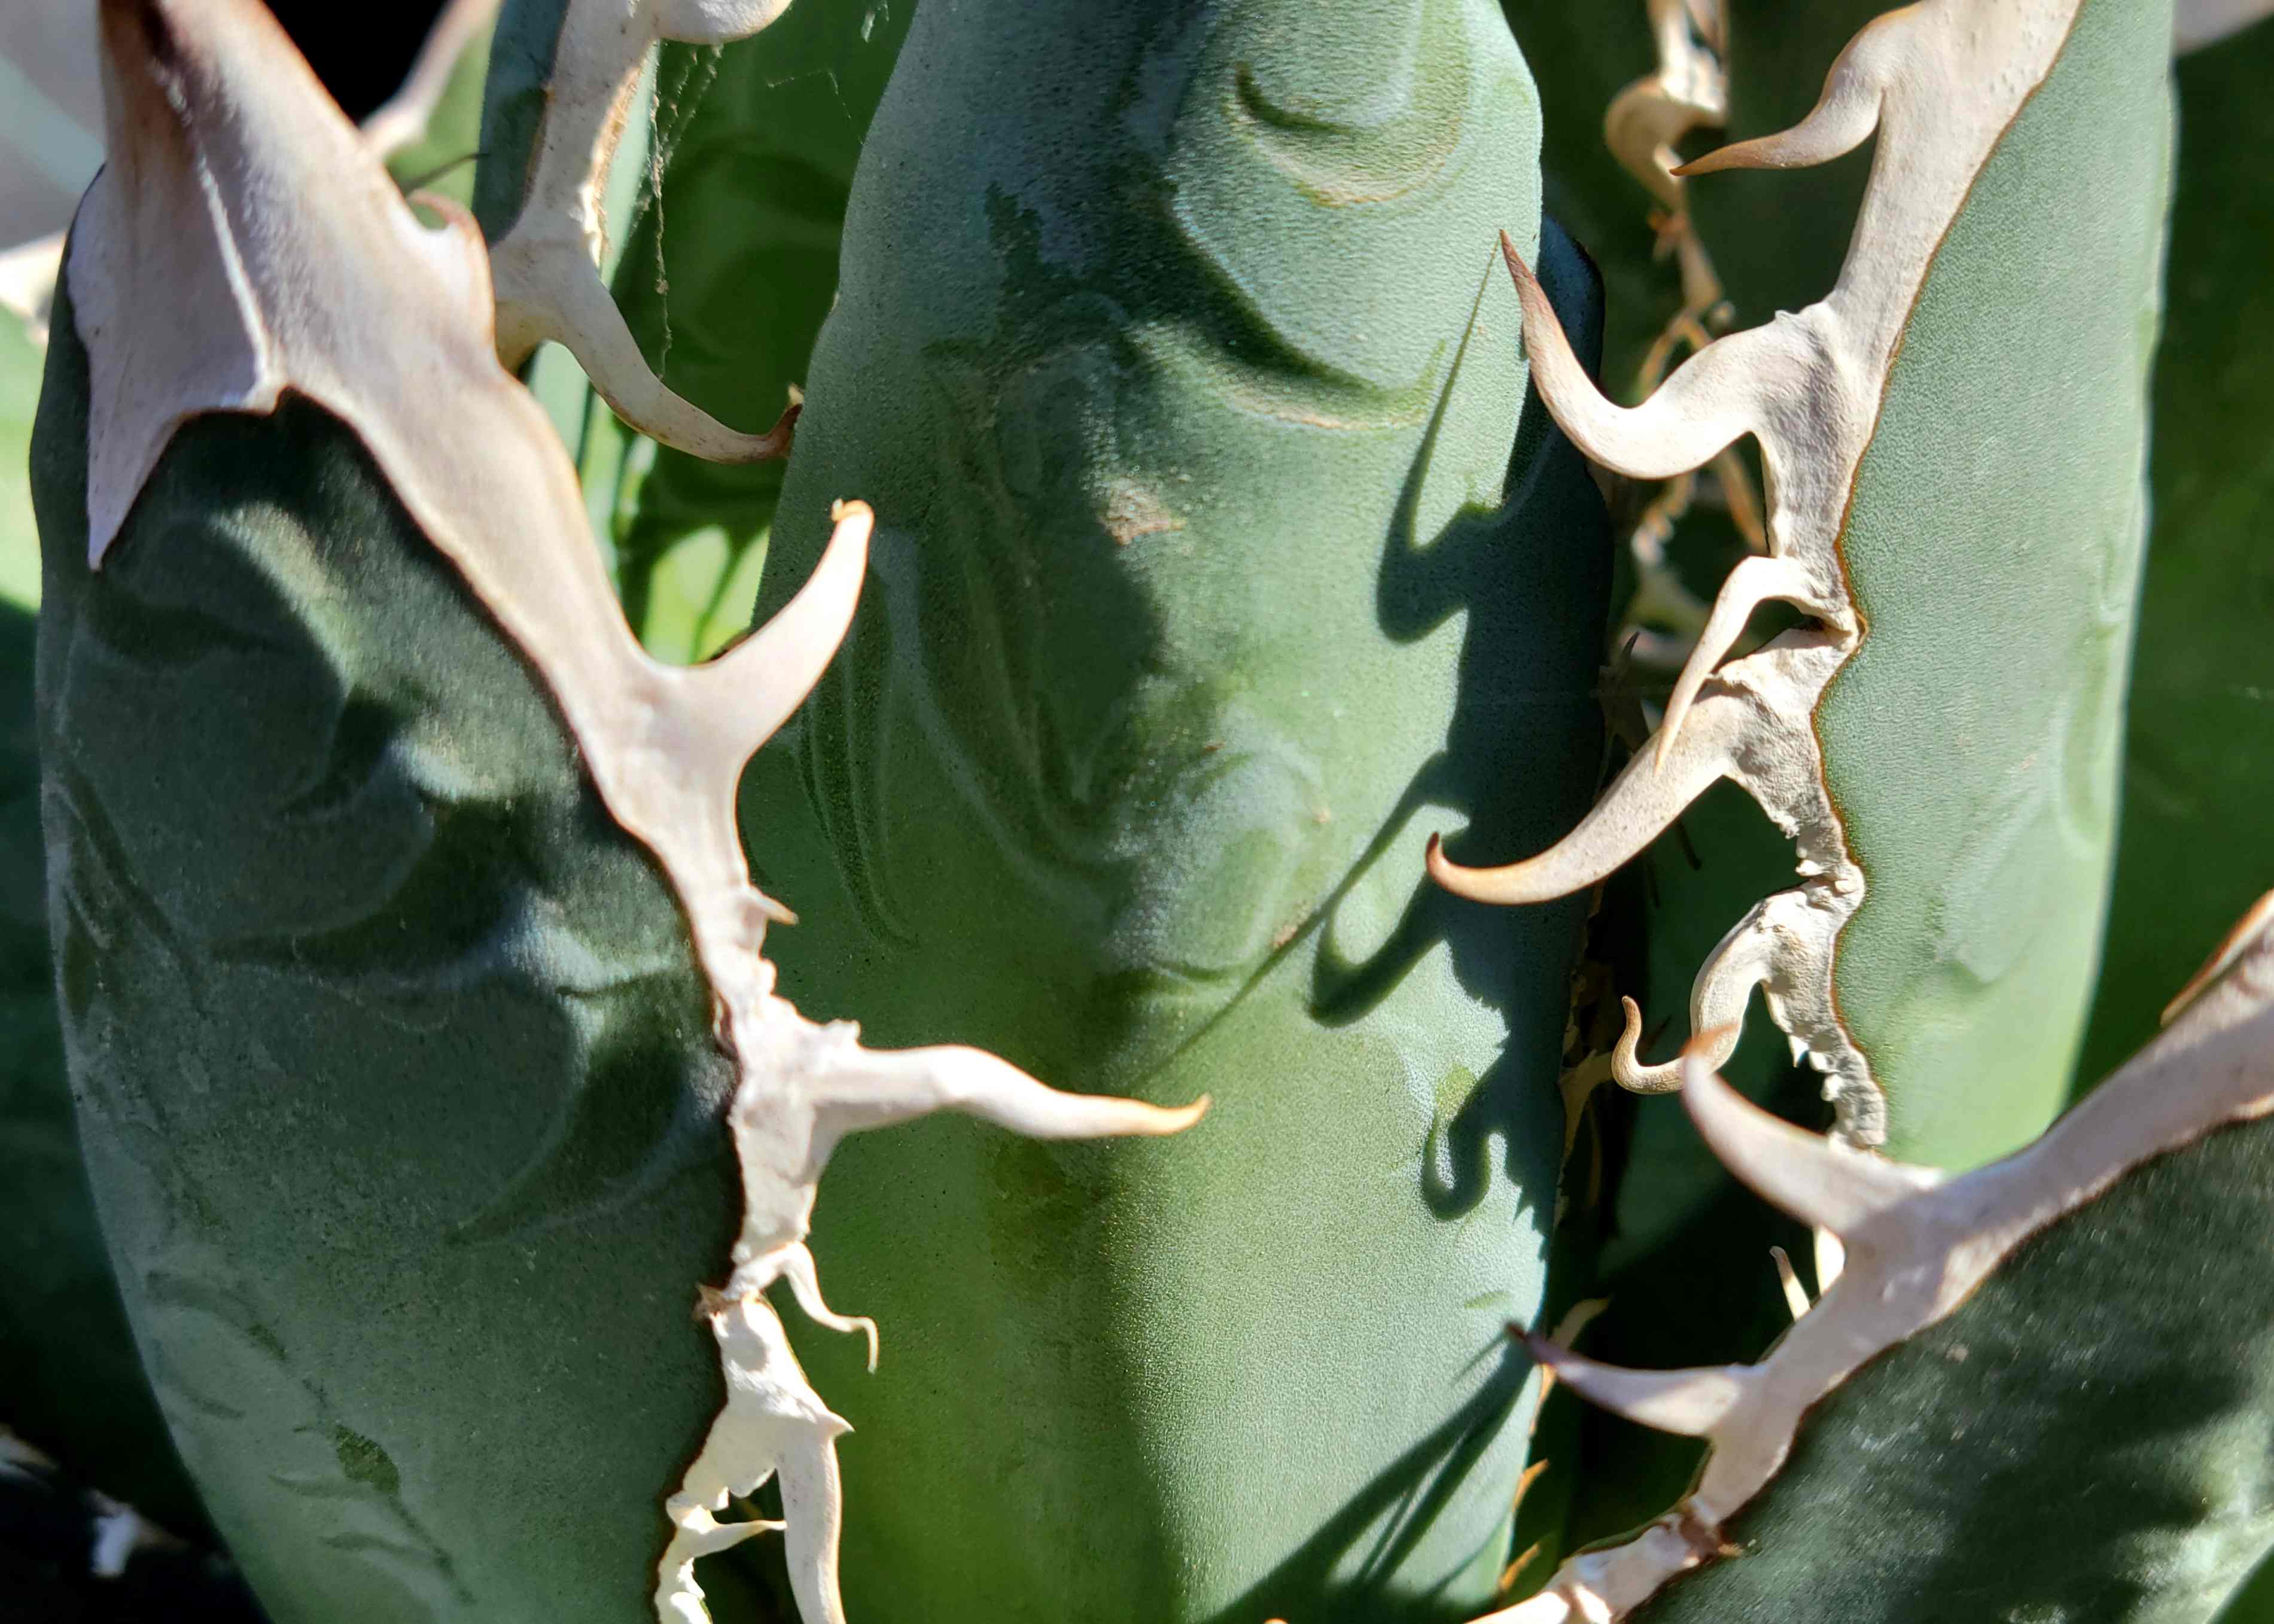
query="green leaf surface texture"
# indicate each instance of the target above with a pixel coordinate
(1992, 548)
(1173, 351)
(1778, 237)
(70, 1379)
(2198, 769)
(395, 1073)
(2083, 1439)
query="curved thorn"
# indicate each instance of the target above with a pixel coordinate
(1752, 583)
(767, 675)
(1844, 118)
(1707, 403)
(2237, 942)
(1688, 1402)
(1815, 1179)
(558, 294)
(1640, 804)
(876, 1088)
(797, 1267)
(1687, 90)
(1634, 1075)
(1577, 1319)
(547, 264)
(1719, 998)
(1627, 1069)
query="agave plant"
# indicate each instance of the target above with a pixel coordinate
(1121, 548)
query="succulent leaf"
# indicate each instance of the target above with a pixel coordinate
(1188, 384)
(1851, 400)
(1999, 1345)
(433, 119)
(280, 492)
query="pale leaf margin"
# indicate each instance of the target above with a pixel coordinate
(242, 242)
(1939, 82)
(1917, 1246)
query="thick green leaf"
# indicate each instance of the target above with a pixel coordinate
(2082, 1439)
(1992, 544)
(72, 1377)
(2199, 771)
(1173, 353)
(1955, 435)
(1956, 432)
(396, 1075)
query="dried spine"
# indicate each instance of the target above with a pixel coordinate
(1643, 127)
(1917, 1244)
(547, 267)
(190, 299)
(1939, 82)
